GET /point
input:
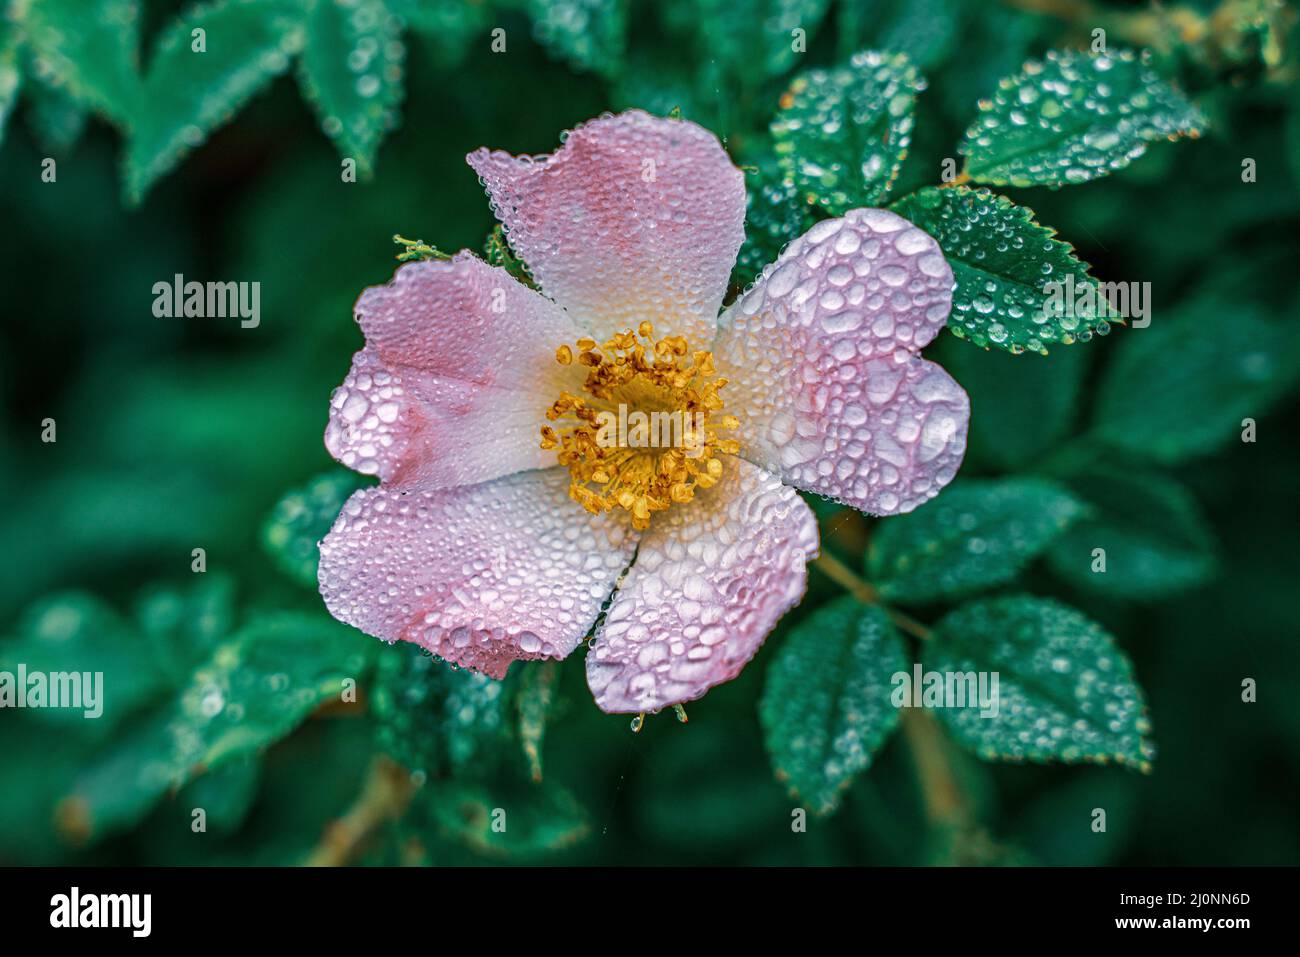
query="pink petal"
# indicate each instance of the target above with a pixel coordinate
(822, 367)
(453, 384)
(711, 579)
(481, 575)
(634, 217)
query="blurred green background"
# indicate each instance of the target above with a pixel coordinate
(174, 434)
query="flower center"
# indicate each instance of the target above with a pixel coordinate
(645, 432)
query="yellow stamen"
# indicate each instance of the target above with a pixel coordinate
(639, 392)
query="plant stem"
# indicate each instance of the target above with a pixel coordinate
(383, 798)
(945, 802)
(865, 592)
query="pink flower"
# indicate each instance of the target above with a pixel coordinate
(502, 526)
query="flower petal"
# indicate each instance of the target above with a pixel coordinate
(453, 384)
(710, 581)
(481, 575)
(822, 371)
(634, 217)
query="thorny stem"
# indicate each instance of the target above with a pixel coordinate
(383, 798)
(945, 802)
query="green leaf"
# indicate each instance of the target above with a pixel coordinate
(497, 252)
(10, 70)
(1004, 262)
(751, 39)
(90, 49)
(589, 34)
(1026, 404)
(775, 214)
(434, 719)
(446, 27)
(506, 821)
(55, 118)
(226, 795)
(188, 620)
(302, 518)
(257, 686)
(825, 708)
(842, 134)
(925, 30)
(1155, 538)
(1065, 690)
(1073, 117)
(977, 534)
(995, 40)
(77, 634)
(351, 72)
(1183, 386)
(103, 517)
(247, 44)
(536, 700)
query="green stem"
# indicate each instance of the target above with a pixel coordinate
(865, 592)
(946, 805)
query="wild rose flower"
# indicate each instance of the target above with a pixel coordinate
(505, 521)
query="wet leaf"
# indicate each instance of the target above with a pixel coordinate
(226, 795)
(1183, 386)
(56, 119)
(515, 821)
(752, 39)
(435, 719)
(825, 708)
(1007, 267)
(925, 30)
(1073, 117)
(776, 213)
(976, 535)
(247, 44)
(257, 686)
(842, 134)
(1155, 539)
(302, 518)
(89, 48)
(1065, 690)
(351, 72)
(447, 27)
(590, 34)
(69, 638)
(188, 619)
(1027, 405)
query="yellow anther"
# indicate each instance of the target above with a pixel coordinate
(643, 436)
